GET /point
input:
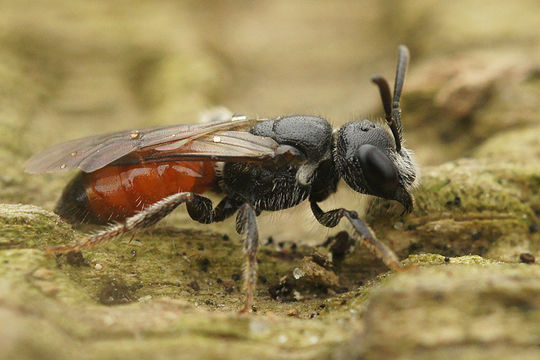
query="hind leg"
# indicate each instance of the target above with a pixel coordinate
(200, 209)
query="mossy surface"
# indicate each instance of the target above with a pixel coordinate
(485, 205)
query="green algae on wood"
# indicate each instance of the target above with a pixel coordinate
(47, 291)
(23, 226)
(457, 306)
(468, 206)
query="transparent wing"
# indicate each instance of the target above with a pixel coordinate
(213, 141)
(218, 146)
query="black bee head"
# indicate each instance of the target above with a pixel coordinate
(367, 159)
(372, 160)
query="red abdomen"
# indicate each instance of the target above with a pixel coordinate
(114, 193)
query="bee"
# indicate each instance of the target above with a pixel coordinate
(132, 179)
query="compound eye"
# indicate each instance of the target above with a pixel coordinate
(378, 170)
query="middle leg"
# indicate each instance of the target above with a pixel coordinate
(246, 223)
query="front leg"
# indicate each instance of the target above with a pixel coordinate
(331, 218)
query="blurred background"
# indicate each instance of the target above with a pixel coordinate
(77, 68)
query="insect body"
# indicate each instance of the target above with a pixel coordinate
(133, 179)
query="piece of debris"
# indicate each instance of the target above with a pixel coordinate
(293, 313)
(75, 258)
(308, 276)
(48, 288)
(283, 290)
(194, 285)
(322, 260)
(298, 273)
(42, 274)
(527, 258)
(204, 263)
(341, 244)
(317, 275)
(116, 292)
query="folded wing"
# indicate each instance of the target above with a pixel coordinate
(219, 141)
